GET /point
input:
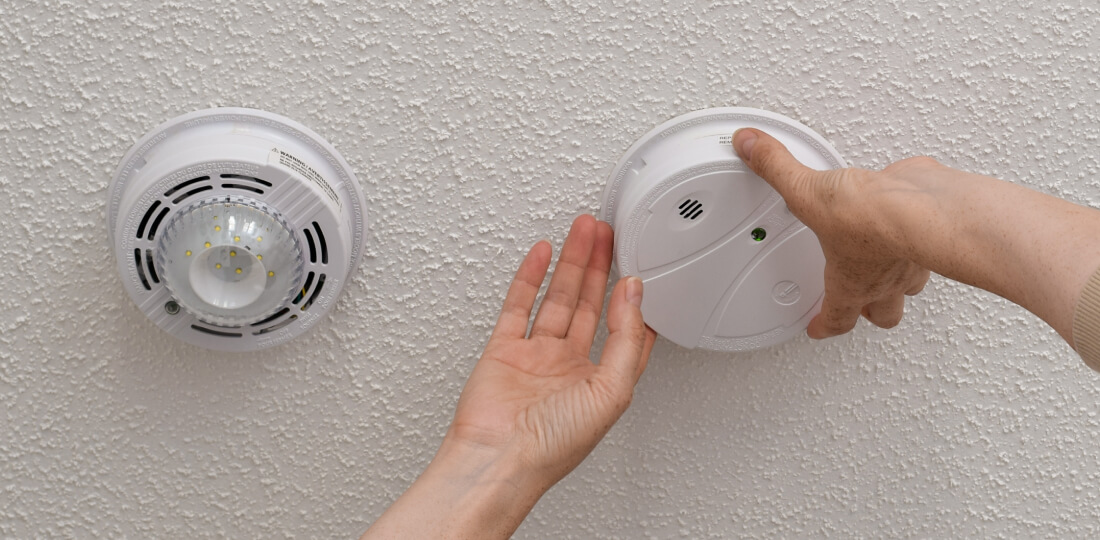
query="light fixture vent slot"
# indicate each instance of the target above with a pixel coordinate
(275, 326)
(247, 179)
(145, 219)
(242, 182)
(316, 292)
(141, 269)
(152, 268)
(277, 314)
(214, 332)
(156, 222)
(195, 191)
(181, 185)
(243, 187)
(312, 246)
(305, 288)
(321, 243)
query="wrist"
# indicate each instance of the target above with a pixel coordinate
(467, 491)
(469, 463)
(483, 490)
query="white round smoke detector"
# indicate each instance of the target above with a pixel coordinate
(235, 229)
(726, 266)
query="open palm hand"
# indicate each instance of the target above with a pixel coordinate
(536, 394)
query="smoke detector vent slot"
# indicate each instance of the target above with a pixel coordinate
(691, 209)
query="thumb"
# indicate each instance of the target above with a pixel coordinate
(770, 160)
(629, 340)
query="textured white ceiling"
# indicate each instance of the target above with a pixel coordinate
(477, 128)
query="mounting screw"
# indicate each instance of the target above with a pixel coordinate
(171, 307)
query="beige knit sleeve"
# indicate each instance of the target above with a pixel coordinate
(1086, 323)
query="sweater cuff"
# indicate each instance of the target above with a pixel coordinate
(1086, 323)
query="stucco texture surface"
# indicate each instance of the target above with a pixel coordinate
(477, 128)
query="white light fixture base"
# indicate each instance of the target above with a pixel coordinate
(726, 266)
(235, 229)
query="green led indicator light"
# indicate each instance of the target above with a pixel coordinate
(759, 234)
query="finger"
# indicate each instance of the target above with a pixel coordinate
(629, 340)
(918, 283)
(770, 160)
(586, 318)
(835, 319)
(885, 313)
(556, 311)
(839, 310)
(650, 338)
(520, 299)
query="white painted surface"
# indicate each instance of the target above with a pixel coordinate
(478, 128)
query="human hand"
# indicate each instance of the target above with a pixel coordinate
(537, 396)
(867, 270)
(535, 405)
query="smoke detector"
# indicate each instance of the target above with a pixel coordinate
(726, 266)
(235, 229)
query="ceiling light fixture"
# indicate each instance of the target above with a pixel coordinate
(235, 229)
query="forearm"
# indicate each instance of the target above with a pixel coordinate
(466, 492)
(1033, 249)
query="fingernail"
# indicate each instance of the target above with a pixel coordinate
(747, 142)
(634, 291)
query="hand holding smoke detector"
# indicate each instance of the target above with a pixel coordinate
(726, 265)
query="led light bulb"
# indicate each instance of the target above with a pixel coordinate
(229, 261)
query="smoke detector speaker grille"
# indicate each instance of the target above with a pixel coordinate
(691, 209)
(243, 157)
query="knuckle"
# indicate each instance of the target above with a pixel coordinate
(556, 297)
(827, 188)
(923, 161)
(836, 327)
(916, 162)
(585, 305)
(918, 283)
(764, 160)
(515, 309)
(830, 191)
(889, 322)
(636, 332)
